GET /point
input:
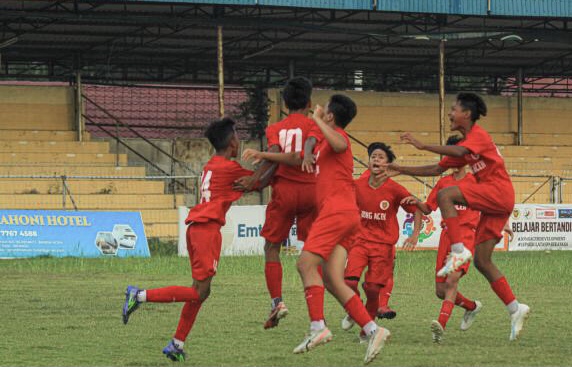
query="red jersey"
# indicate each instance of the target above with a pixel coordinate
(467, 217)
(334, 175)
(216, 190)
(290, 134)
(484, 158)
(378, 210)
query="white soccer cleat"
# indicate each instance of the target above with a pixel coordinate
(347, 323)
(469, 316)
(517, 320)
(454, 262)
(437, 331)
(376, 343)
(313, 340)
(362, 338)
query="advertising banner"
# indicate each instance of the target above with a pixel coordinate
(29, 233)
(541, 227)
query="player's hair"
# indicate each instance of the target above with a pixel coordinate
(453, 139)
(474, 103)
(220, 133)
(343, 109)
(297, 93)
(384, 147)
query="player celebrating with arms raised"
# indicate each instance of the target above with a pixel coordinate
(492, 195)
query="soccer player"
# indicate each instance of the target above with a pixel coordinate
(492, 195)
(446, 287)
(293, 190)
(203, 236)
(337, 219)
(378, 200)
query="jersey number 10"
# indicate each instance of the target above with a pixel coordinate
(287, 140)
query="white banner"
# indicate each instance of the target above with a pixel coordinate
(241, 234)
(541, 227)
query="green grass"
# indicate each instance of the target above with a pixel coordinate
(67, 312)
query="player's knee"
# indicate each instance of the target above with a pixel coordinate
(451, 283)
(303, 267)
(270, 247)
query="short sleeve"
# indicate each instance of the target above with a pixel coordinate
(432, 198)
(477, 141)
(237, 171)
(272, 136)
(315, 133)
(452, 162)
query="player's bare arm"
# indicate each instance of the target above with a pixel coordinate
(430, 170)
(292, 159)
(335, 139)
(261, 177)
(412, 200)
(309, 158)
(449, 150)
(411, 242)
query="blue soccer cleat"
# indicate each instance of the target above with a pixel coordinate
(131, 302)
(173, 353)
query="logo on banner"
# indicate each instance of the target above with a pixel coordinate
(122, 237)
(564, 213)
(517, 213)
(427, 227)
(546, 213)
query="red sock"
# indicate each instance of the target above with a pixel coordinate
(273, 273)
(454, 230)
(385, 293)
(503, 291)
(357, 311)
(446, 310)
(372, 300)
(172, 294)
(353, 284)
(465, 303)
(315, 301)
(187, 319)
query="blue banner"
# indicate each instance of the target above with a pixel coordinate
(59, 233)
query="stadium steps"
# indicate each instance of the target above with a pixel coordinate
(91, 201)
(69, 170)
(80, 187)
(54, 146)
(102, 159)
(40, 135)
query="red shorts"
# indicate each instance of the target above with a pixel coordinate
(204, 243)
(379, 259)
(495, 202)
(445, 249)
(330, 229)
(289, 200)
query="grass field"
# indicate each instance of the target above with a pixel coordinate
(67, 312)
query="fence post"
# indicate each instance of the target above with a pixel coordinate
(64, 191)
(555, 190)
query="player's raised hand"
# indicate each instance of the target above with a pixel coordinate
(408, 138)
(252, 154)
(245, 184)
(409, 200)
(318, 112)
(410, 243)
(308, 163)
(389, 170)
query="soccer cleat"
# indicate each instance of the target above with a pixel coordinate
(173, 353)
(454, 262)
(517, 320)
(276, 314)
(376, 343)
(437, 331)
(469, 316)
(362, 337)
(347, 323)
(385, 312)
(131, 303)
(313, 340)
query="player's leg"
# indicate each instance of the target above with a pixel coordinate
(450, 291)
(355, 265)
(483, 261)
(334, 280)
(380, 271)
(280, 214)
(447, 198)
(174, 350)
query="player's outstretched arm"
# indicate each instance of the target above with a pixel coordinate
(261, 177)
(292, 159)
(412, 200)
(449, 150)
(334, 138)
(309, 160)
(393, 169)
